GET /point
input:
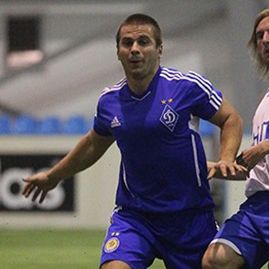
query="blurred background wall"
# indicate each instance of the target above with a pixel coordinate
(56, 57)
(76, 39)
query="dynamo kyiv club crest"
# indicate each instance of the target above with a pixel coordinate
(169, 117)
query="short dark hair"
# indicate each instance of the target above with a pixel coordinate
(139, 18)
(252, 43)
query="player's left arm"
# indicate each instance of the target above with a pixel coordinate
(231, 128)
(254, 154)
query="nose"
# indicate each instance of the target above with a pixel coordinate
(265, 38)
(135, 48)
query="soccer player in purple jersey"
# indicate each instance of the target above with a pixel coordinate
(243, 241)
(163, 204)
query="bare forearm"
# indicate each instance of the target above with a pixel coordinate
(266, 146)
(73, 162)
(84, 155)
(88, 150)
(231, 126)
(230, 138)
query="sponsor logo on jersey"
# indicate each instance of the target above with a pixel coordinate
(111, 245)
(169, 118)
(262, 133)
(115, 122)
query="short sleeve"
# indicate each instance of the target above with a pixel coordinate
(101, 123)
(205, 98)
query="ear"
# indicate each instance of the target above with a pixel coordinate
(118, 55)
(161, 50)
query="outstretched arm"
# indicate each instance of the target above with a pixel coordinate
(231, 127)
(88, 150)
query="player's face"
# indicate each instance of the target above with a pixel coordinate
(262, 37)
(137, 51)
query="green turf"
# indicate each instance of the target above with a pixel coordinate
(51, 249)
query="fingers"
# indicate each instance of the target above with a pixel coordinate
(43, 196)
(229, 169)
(224, 167)
(28, 189)
(211, 173)
(36, 194)
(32, 187)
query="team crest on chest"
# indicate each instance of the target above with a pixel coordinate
(169, 117)
(111, 245)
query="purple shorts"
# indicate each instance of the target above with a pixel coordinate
(247, 232)
(179, 239)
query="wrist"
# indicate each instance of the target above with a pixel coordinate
(52, 177)
(266, 146)
(227, 159)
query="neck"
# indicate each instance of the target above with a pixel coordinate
(140, 85)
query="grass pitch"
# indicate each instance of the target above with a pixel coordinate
(52, 249)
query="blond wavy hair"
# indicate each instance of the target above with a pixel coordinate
(252, 45)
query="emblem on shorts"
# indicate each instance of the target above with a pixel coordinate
(111, 245)
(169, 118)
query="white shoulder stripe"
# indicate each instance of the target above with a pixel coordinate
(170, 78)
(119, 85)
(171, 71)
(214, 99)
(198, 76)
(170, 74)
(208, 89)
(206, 82)
(205, 85)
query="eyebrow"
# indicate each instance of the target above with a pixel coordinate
(261, 32)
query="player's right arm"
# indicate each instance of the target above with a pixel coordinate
(88, 150)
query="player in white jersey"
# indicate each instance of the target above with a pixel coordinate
(243, 241)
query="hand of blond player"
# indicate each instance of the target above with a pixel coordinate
(254, 154)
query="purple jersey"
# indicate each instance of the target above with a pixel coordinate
(163, 164)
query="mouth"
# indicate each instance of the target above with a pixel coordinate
(135, 60)
(266, 54)
(135, 64)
